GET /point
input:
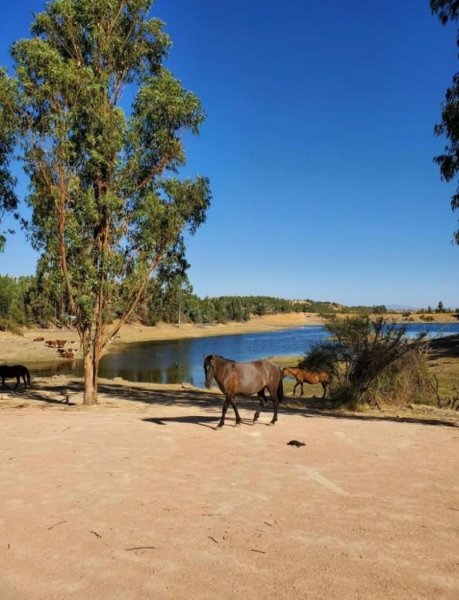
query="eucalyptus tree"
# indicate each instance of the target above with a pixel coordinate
(8, 126)
(448, 12)
(101, 125)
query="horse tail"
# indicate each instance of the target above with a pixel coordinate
(280, 391)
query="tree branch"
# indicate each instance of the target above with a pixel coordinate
(135, 302)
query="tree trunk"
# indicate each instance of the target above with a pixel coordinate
(96, 356)
(90, 390)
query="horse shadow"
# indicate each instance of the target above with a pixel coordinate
(190, 419)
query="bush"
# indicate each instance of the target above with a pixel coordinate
(405, 381)
(7, 325)
(370, 362)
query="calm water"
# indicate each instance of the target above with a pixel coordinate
(175, 361)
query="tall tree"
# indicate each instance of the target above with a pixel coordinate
(107, 204)
(448, 12)
(8, 127)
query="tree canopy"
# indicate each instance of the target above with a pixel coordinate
(448, 12)
(8, 125)
(100, 122)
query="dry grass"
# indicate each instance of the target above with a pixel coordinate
(444, 367)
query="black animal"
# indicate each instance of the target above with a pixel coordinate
(295, 443)
(17, 371)
(245, 379)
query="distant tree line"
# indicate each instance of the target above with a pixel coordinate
(40, 300)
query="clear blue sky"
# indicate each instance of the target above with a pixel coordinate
(318, 144)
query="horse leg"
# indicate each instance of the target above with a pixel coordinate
(296, 385)
(225, 408)
(275, 405)
(17, 381)
(260, 406)
(236, 412)
(324, 385)
(275, 399)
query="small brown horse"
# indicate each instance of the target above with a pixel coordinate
(302, 376)
(245, 379)
(17, 371)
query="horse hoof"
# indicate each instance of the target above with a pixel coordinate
(238, 422)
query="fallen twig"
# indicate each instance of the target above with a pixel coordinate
(96, 534)
(255, 550)
(139, 548)
(56, 524)
(213, 539)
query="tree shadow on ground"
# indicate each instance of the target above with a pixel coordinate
(317, 409)
(445, 347)
(59, 395)
(209, 402)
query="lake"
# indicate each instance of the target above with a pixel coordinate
(176, 361)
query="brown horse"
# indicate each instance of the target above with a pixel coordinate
(302, 376)
(17, 371)
(245, 379)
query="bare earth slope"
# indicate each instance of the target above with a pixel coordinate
(141, 498)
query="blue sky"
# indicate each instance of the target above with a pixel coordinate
(318, 144)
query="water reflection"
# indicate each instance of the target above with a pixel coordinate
(176, 361)
(45, 369)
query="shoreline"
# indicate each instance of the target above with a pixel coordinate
(23, 349)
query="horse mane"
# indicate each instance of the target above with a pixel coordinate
(223, 358)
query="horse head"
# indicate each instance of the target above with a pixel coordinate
(209, 365)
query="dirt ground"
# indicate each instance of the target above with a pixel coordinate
(141, 498)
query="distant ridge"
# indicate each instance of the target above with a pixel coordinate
(400, 307)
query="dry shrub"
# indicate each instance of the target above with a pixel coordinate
(7, 325)
(405, 381)
(372, 362)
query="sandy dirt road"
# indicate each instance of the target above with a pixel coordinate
(141, 498)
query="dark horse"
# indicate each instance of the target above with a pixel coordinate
(249, 378)
(303, 376)
(17, 371)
